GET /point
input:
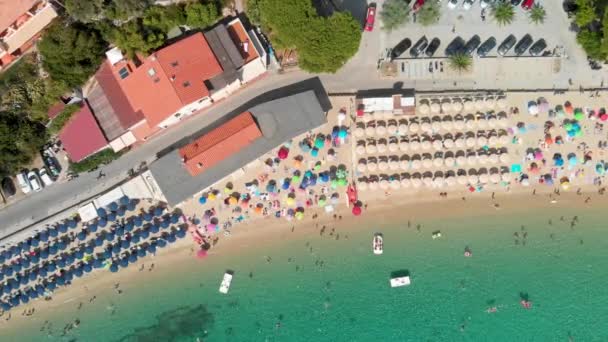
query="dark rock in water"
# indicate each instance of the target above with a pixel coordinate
(184, 323)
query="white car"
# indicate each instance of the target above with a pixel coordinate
(44, 176)
(24, 183)
(34, 181)
(467, 4)
(452, 4)
(486, 3)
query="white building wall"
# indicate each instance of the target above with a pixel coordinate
(252, 70)
(186, 111)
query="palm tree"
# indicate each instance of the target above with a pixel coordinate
(537, 14)
(460, 62)
(503, 12)
(430, 13)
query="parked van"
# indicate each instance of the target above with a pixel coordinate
(24, 183)
(44, 176)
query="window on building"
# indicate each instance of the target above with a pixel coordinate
(123, 73)
(174, 64)
(186, 84)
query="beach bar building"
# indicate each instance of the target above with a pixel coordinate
(389, 101)
(235, 141)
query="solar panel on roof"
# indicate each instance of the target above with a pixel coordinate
(123, 73)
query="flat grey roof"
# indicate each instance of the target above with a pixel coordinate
(279, 119)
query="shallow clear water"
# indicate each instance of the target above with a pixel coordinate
(348, 297)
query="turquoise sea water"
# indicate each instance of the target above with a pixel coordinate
(340, 291)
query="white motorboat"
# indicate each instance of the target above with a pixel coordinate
(225, 285)
(400, 278)
(378, 244)
(436, 234)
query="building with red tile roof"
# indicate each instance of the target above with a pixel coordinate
(82, 136)
(219, 143)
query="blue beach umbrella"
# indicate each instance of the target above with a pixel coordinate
(5, 306)
(40, 289)
(138, 221)
(124, 200)
(97, 263)
(113, 206)
(72, 223)
(175, 218)
(24, 299)
(148, 217)
(89, 249)
(24, 280)
(131, 206)
(107, 254)
(53, 232)
(158, 211)
(32, 293)
(129, 226)
(60, 280)
(82, 236)
(98, 241)
(16, 249)
(102, 223)
(69, 259)
(53, 249)
(181, 234)
(151, 248)
(145, 234)
(8, 271)
(110, 236)
(161, 243)
(165, 223)
(92, 228)
(120, 231)
(124, 262)
(202, 200)
(141, 252)
(51, 267)
(135, 238)
(114, 268)
(78, 272)
(101, 212)
(171, 238)
(124, 244)
(155, 228)
(42, 272)
(32, 276)
(87, 268)
(79, 254)
(14, 301)
(61, 245)
(133, 258)
(112, 216)
(116, 249)
(34, 242)
(44, 236)
(60, 262)
(35, 258)
(7, 289)
(17, 267)
(62, 228)
(121, 211)
(68, 275)
(51, 285)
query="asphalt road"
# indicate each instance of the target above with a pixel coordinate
(359, 73)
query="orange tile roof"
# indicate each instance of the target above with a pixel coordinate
(157, 89)
(219, 143)
(240, 38)
(11, 10)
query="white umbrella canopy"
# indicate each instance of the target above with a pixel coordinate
(450, 181)
(446, 107)
(448, 143)
(361, 167)
(469, 105)
(482, 123)
(371, 149)
(362, 185)
(482, 159)
(492, 122)
(493, 158)
(459, 124)
(360, 149)
(483, 179)
(479, 104)
(416, 164)
(405, 183)
(471, 124)
(414, 127)
(460, 143)
(425, 145)
(473, 179)
(439, 182)
(436, 126)
(426, 127)
(493, 141)
(414, 145)
(371, 166)
(472, 159)
(381, 148)
(403, 129)
(359, 132)
(449, 162)
(435, 108)
(404, 146)
(506, 177)
(384, 184)
(438, 162)
(503, 122)
(461, 160)
(381, 130)
(482, 141)
(504, 158)
(393, 165)
(423, 108)
(393, 147)
(370, 131)
(457, 106)
(427, 163)
(462, 179)
(416, 182)
(501, 103)
(427, 180)
(404, 165)
(495, 178)
(504, 139)
(471, 141)
(394, 184)
(373, 185)
(392, 129)
(489, 103)
(437, 145)
(447, 125)
(382, 166)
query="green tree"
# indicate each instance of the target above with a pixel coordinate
(85, 11)
(201, 15)
(134, 37)
(252, 9)
(585, 13)
(164, 18)
(503, 12)
(126, 9)
(20, 140)
(591, 42)
(394, 13)
(286, 20)
(537, 14)
(71, 53)
(460, 62)
(430, 13)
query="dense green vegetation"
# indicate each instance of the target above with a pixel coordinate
(20, 140)
(324, 44)
(91, 162)
(394, 14)
(591, 18)
(503, 13)
(62, 118)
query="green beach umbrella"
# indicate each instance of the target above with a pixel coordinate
(295, 179)
(342, 182)
(568, 126)
(578, 133)
(579, 116)
(334, 184)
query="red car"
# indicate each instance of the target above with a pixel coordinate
(527, 4)
(417, 5)
(371, 17)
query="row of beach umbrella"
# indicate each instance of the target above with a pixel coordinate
(373, 146)
(416, 162)
(431, 180)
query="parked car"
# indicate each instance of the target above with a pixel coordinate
(486, 47)
(34, 181)
(24, 183)
(420, 45)
(523, 44)
(472, 45)
(467, 4)
(506, 45)
(51, 163)
(371, 17)
(452, 4)
(527, 4)
(8, 187)
(44, 176)
(400, 48)
(537, 48)
(432, 48)
(486, 3)
(417, 5)
(455, 46)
